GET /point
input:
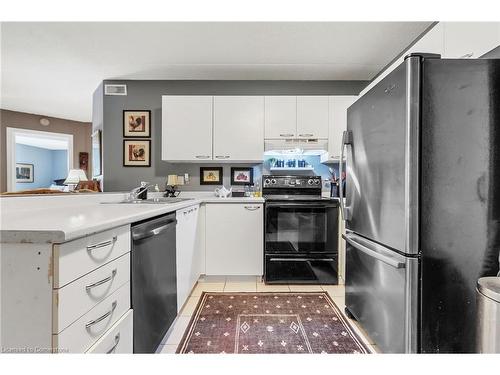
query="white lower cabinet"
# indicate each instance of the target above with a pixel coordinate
(234, 239)
(119, 339)
(187, 254)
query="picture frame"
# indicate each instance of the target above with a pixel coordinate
(136, 123)
(83, 161)
(136, 152)
(25, 173)
(241, 176)
(211, 175)
(96, 153)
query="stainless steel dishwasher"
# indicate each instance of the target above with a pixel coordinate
(154, 283)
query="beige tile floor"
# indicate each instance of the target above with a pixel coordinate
(248, 284)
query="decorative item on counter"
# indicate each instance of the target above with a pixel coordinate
(136, 153)
(172, 182)
(83, 161)
(280, 163)
(301, 163)
(222, 192)
(210, 175)
(25, 173)
(241, 176)
(74, 178)
(238, 192)
(257, 192)
(291, 163)
(136, 124)
(96, 153)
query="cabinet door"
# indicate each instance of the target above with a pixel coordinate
(238, 128)
(281, 117)
(312, 116)
(338, 123)
(470, 39)
(186, 128)
(188, 268)
(234, 239)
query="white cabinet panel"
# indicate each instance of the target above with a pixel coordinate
(470, 39)
(338, 123)
(238, 128)
(187, 261)
(281, 117)
(234, 239)
(186, 128)
(312, 116)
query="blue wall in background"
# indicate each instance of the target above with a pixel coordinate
(48, 165)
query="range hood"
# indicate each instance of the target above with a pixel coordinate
(296, 146)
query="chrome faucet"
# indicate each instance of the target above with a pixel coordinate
(140, 192)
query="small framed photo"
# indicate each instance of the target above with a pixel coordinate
(137, 124)
(241, 176)
(136, 153)
(210, 175)
(24, 173)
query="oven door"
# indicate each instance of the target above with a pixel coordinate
(301, 228)
(282, 269)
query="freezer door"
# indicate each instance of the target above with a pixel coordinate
(381, 293)
(382, 160)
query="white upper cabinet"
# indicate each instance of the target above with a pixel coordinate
(470, 39)
(186, 128)
(238, 128)
(312, 116)
(338, 123)
(281, 117)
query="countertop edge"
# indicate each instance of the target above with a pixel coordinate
(58, 236)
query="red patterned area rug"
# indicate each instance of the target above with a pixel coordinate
(269, 323)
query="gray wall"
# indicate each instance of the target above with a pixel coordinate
(147, 95)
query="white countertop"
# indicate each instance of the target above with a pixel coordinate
(55, 219)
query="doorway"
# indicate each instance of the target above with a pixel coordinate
(37, 159)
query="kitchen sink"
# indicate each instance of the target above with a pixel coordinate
(163, 200)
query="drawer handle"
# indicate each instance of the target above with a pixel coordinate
(252, 208)
(117, 341)
(306, 135)
(286, 135)
(202, 157)
(101, 318)
(467, 55)
(222, 156)
(102, 244)
(103, 281)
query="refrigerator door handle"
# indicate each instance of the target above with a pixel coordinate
(374, 254)
(346, 140)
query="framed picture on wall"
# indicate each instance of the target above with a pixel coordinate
(210, 175)
(241, 176)
(24, 173)
(136, 153)
(136, 124)
(96, 154)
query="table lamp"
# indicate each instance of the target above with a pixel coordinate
(74, 177)
(172, 182)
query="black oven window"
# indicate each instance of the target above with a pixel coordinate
(301, 229)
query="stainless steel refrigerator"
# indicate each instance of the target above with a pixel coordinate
(422, 205)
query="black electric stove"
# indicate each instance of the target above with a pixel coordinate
(301, 231)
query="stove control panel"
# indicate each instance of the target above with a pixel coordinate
(302, 182)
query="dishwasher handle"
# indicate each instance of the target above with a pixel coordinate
(140, 235)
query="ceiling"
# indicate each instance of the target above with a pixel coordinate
(52, 68)
(47, 143)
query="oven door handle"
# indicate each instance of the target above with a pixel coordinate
(304, 205)
(301, 259)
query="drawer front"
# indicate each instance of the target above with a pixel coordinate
(82, 334)
(76, 258)
(118, 339)
(80, 296)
